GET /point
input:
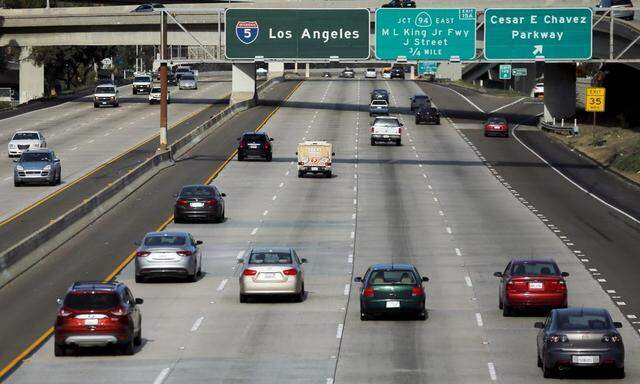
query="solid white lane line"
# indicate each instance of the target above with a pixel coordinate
(458, 252)
(467, 280)
(223, 283)
(197, 324)
(329, 380)
(265, 213)
(479, 320)
(492, 371)
(254, 231)
(347, 288)
(350, 258)
(162, 376)
(355, 201)
(339, 331)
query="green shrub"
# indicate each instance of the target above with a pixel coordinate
(630, 159)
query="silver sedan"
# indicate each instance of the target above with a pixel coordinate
(272, 271)
(168, 253)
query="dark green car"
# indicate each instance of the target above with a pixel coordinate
(392, 289)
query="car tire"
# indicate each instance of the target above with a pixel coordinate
(618, 373)
(193, 277)
(16, 183)
(59, 350)
(128, 348)
(116, 105)
(300, 174)
(269, 157)
(140, 279)
(240, 157)
(59, 178)
(135, 92)
(53, 181)
(548, 372)
(398, 143)
(500, 304)
(299, 298)
(364, 316)
(486, 134)
(177, 220)
(220, 218)
(328, 174)
(506, 135)
(506, 310)
(539, 361)
(150, 102)
(244, 298)
(373, 142)
(438, 122)
(422, 315)
(138, 339)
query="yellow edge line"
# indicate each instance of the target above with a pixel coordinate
(92, 172)
(27, 351)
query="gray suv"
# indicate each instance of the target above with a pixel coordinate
(37, 166)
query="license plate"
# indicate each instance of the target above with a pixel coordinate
(314, 168)
(104, 103)
(91, 322)
(586, 359)
(197, 205)
(393, 304)
(385, 136)
(269, 276)
(253, 146)
(535, 285)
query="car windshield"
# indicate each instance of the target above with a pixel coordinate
(371, 70)
(534, 268)
(155, 90)
(142, 79)
(197, 191)
(379, 91)
(582, 322)
(387, 122)
(497, 120)
(183, 69)
(420, 97)
(379, 103)
(164, 240)
(273, 258)
(91, 301)
(254, 138)
(35, 156)
(25, 136)
(392, 277)
(105, 90)
(187, 77)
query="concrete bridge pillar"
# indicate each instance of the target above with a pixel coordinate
(451, 71)
(276, 69)
(559, 90)
(31, 77)
(243, 82)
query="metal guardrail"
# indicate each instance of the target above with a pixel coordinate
(562, 129)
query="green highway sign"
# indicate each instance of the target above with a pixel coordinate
(427, 67)
(425, 34)
(292, 34)
(519, 72)
(505, 71)
(537, 33)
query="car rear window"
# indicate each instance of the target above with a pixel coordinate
(386, 122)
(534, 269)
(141, 79)
(91, 301)
(187, 77)
(371, 70)
(392, 277)
(497, 120)
(155, 90)
(105, 90)
(162, 240)
(197, 192)
(420, 97)
(254, 138)
(25, 136)
(272, 258)
(578, 322)
(35, 156)
(379, 102)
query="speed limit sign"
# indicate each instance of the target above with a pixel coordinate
(595, 99)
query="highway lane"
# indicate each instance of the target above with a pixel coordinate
(431, 202)
(84, 137)
(100, 248)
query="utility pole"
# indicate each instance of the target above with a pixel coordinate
(163, 81)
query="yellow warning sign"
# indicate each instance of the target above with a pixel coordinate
(595, 99)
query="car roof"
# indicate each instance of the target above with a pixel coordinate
(270, 249)
(534, 260)
(41, 150)
(380, 90)
(197, 186)
(420, 96)
(386, 118)
(21, 131)
(581, 311)
(393, 266)
(95, 286)
(254, 133)
(168, 233)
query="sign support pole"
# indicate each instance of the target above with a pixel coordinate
(163, 82)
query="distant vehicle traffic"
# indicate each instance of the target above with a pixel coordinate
(37, 166)
(392, 289)
(183, 70)
(142, 84)
(255, 144)
(315, 157)
(418, 100)
(538, 91)
(24, 140)
(531, 283)
(168, 253)
(621, 9)
(262, 71)
(397, 73)
(400, 4)
(578, 338)
(199, 202)
(106, 94)
(496, 126)
(147, 7)
(348, 73)
(379, 107)
(154, 95)
(380, 94)
(187, 81)
(387, 129)
(97, 314)
(269, 271)
(370, 73)
(326, 74)
(428, 115)
(386, 73)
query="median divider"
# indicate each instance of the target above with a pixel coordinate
(28, 252)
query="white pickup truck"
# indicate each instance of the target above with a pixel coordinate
(314, 157)
(386, 129)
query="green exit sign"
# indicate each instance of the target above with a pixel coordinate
(538, 34)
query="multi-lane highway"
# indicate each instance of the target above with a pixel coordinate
(432, 202)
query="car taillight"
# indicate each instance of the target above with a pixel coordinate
(118, 311)
(211, 202)
(266, 145)
(184, 253)
(242, 144)
(249, 272)
(487, 126)
(562, 286)
(417, 291)
(371, 129)
(510, 286)
(182, 202)
(400, 130)
(368, 292)
(558, 339)
(290, 272)
(64, 312)
(142, 254)
(614, 338)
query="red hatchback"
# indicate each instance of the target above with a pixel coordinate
(496, 126)
(95, 314)
(531, 283)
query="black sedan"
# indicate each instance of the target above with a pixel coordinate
(199, 202)
(380, 94)
(579, 337)
(255, 144)
(427, 115)
(397, 73)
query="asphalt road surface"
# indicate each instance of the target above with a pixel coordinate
(431, 202)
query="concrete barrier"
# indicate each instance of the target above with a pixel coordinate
(25, 254)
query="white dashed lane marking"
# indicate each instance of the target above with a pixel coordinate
(467, 280)
(197, 324)
(222, 284)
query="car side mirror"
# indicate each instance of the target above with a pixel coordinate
(139, 301)
(358, 279)
(271, 139)
(16, 160)
(59, 301)
(538, 324)
(565, 274)
(296, 153)
(56, 160)
(425, 278)
(497, 274)
(199, 242)
(223, 194)
(617, 324)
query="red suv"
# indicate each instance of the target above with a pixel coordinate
(531, 283)
(98, 314)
